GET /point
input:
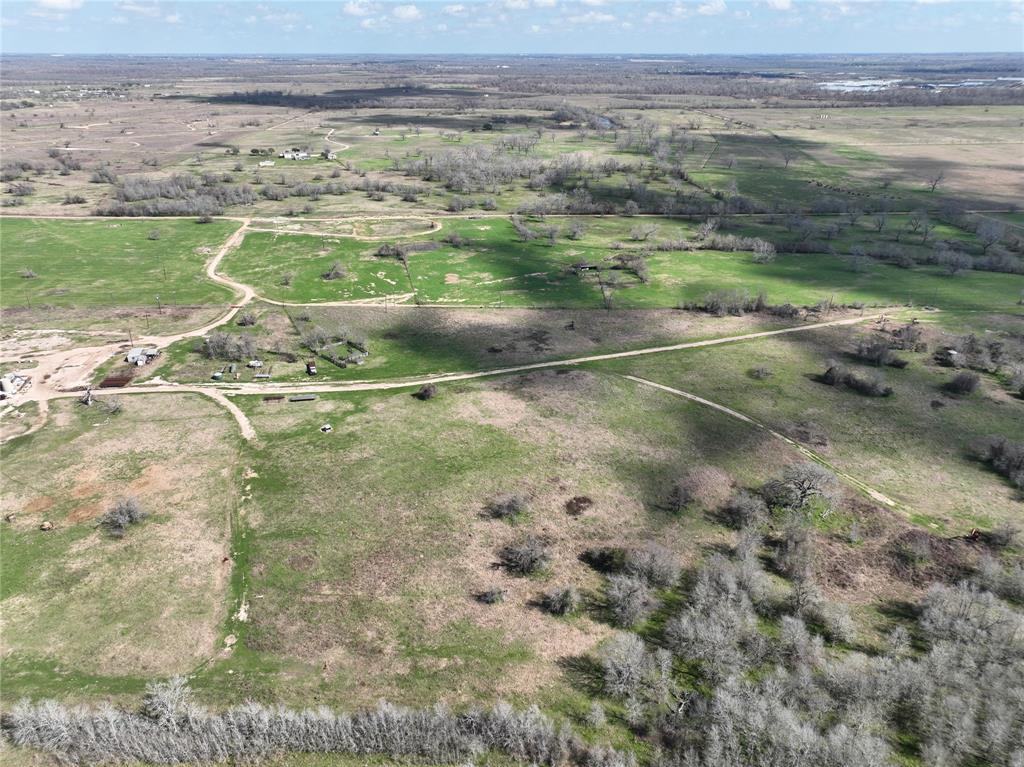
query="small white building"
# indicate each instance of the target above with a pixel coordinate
(141, 355)
(11, 384)
(266, 163)
(254, 364)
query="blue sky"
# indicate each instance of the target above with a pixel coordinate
(511, 26)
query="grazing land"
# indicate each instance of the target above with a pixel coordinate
(582, 427)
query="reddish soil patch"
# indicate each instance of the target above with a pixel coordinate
(85, 513)
(87, 490)
(39, 504)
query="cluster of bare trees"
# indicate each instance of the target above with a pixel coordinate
(171, 728)
(236, 347)
(180, 195)
(307, 189)
(764, 699)
(473, 168)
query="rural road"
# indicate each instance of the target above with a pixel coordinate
(283, 388)
(64, 374)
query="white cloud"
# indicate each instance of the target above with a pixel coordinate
(712, 8)
(536, 29)
(441, 27)
(545, 3)
(455, 10)
(61, 5)
(780, 5)
(407, 13)
(374, 23)
(143, 9)
(358, 8)
(517, 5)
(592, 17)
(593, 2)
(173, 18)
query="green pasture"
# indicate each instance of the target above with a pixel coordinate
(913, 445)
(494, 268)
(108, 263)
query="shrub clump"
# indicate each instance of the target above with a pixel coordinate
(1003, 455)
(869, 385)
(560, 601)
(507, 505)
(655, 564)
(490, 596)
(527, 556)
(336, 272)
(963, 383)
(704, 486)
(744, 509)
(124, 512)
(425, 392)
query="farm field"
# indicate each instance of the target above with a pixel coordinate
(84, 613)
(570, 411)
(92, 270)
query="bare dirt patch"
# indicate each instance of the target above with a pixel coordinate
(39, 504)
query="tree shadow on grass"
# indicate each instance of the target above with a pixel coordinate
(583, 673)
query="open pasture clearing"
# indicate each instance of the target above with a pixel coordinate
(363, 564)
(882, 151)
(494, 268)
(363, 227)
(85, 613)
(913, 445)
(978, 148)
(99, 264)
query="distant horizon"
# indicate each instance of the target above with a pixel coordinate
(515, 27)
(510, 54)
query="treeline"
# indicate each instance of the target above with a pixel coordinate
(180, 195)
(171, 729)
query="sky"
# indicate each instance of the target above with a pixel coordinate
(510, 26)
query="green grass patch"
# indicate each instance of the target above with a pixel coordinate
(109, 263)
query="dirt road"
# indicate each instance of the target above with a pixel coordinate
(64, 373)
(875, 495)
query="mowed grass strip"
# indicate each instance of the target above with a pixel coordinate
(109, 263)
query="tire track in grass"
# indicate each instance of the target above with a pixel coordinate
(865, 488)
